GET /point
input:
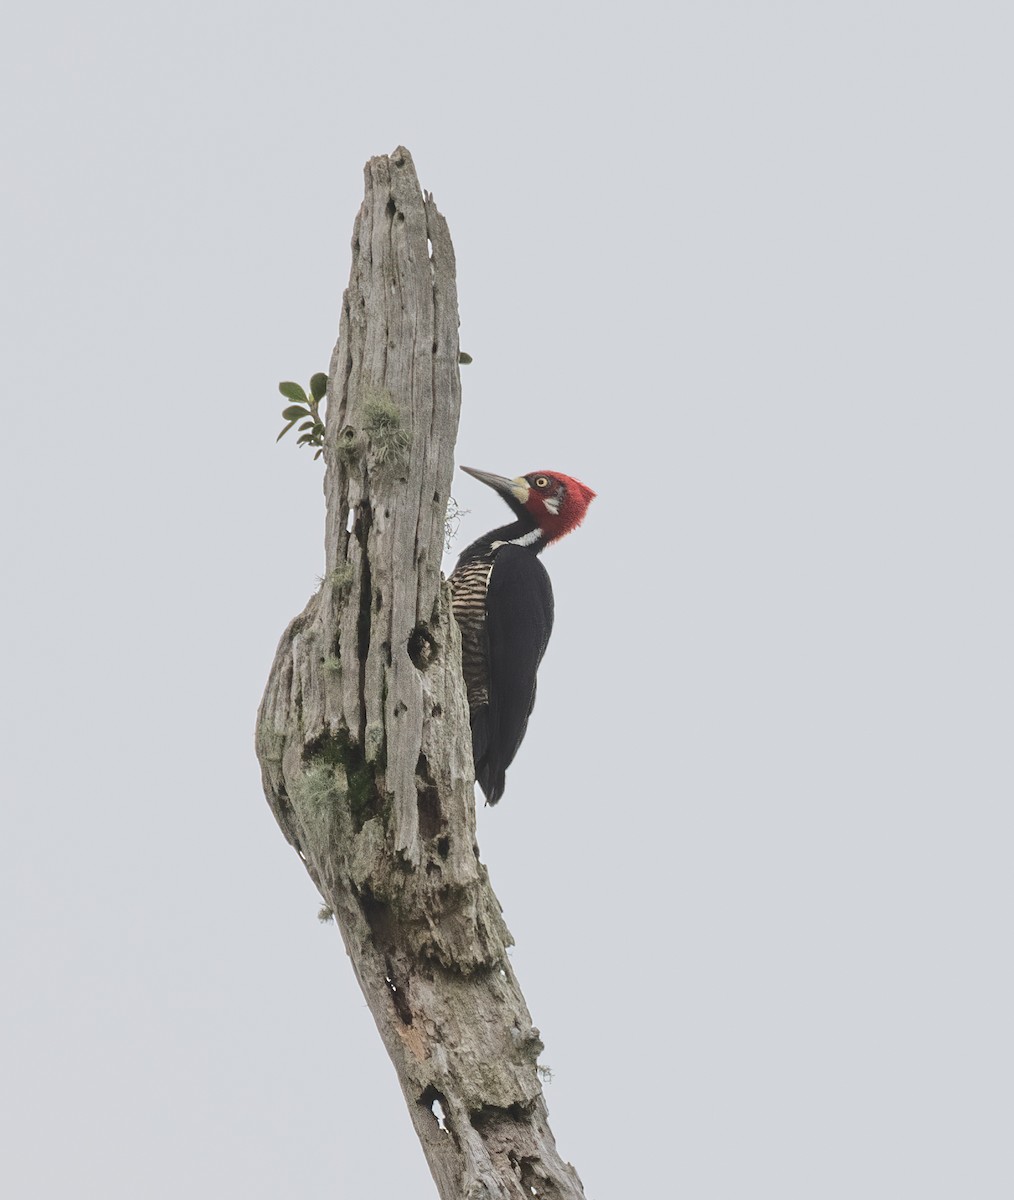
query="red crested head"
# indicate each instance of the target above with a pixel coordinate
(557, 502)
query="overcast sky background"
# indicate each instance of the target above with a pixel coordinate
(748, 271)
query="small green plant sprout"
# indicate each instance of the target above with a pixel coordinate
(325, 915)
(463, 357)
(307, 410)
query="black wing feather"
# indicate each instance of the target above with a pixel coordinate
(519, 620)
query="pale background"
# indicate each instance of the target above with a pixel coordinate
(747, 270)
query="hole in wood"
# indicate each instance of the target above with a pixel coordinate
(422, 648)
(398, 995)
(434, 1101)
(431, 819)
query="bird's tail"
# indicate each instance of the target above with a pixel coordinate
(490, 776)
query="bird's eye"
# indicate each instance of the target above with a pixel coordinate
(542, 482)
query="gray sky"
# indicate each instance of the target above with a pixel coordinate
(746, 269)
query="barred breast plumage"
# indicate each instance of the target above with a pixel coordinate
(469, 582)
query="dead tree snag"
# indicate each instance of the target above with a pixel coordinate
(363, 734)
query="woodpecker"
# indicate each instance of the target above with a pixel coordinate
(503, 603)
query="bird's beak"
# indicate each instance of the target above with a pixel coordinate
(516, 489)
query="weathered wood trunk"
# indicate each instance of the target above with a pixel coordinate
(363, 734)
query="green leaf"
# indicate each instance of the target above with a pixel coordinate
(285, 431)
(318, 385)
(292, 391)
(305, 438)
(294, 412)
(318, 454)
(463, 357)
(318, 430)
(307, 425)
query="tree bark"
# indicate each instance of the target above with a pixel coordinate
(363, 731)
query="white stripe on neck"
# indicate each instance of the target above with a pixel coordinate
(526, 539)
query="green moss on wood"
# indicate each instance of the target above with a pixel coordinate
(342, 577)
(383, 424)
(344, 759)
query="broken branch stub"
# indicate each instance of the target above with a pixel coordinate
(363, 731)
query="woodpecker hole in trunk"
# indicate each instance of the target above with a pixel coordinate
(435, 1101)
(422, 648)
(485, 1119)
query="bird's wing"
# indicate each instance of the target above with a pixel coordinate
(519, 620)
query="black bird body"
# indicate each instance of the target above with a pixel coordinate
(503, 604)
